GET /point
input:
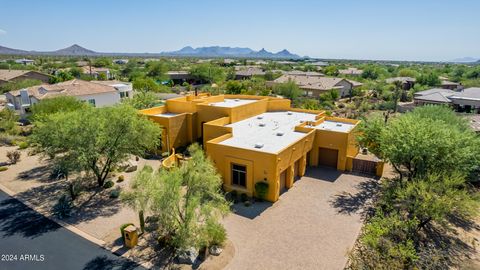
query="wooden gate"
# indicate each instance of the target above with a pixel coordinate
(364, 166)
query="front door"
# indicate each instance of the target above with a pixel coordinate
(327, 157)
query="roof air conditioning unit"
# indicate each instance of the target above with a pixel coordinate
(289, 113)
(338, 125)
(261, 124)
(280, 133)
(259, 117)
(237, 99)
(258, 145)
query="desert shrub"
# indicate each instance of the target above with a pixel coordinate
(120, 179)
(3, 168)
(22, 145)
(63, 207)
(122, 228)
(108, 184)
(243, 197)
(115, 193)
(215, 234)
(261, 189)
(13, 156)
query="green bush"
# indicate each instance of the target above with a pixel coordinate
(243, 197)
(216, 233)
(115, 193)
(3, 168)
(120, 179)
(108, 184)
(63, 207)
(247, 203)
(122, 228)
(261, 189)
(22, 145)
(234, 195)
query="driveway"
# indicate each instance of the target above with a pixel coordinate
(28, 240)
(312, 226)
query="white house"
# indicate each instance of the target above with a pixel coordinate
(97, 93)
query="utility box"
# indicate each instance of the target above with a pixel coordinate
(130, 235)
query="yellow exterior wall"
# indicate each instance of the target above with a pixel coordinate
(196, 118)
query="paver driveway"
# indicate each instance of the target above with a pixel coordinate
(312, 226)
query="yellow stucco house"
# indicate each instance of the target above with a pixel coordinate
(257, 138)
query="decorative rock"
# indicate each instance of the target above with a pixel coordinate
(131, 168)
(215, 250)
(187, 256)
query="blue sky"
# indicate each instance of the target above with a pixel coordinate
(354, 29)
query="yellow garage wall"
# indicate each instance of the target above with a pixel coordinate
(331, 140)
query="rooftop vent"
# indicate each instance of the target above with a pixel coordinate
(280, 133)
(289, 113)
(237, 99)
(259, 145)
(259, 117)
(338, 125)
(261, 124)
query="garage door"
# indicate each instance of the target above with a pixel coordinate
(283, 181)
(327, 157)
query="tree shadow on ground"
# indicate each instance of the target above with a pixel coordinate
(351, 203)
(443, 249)
(41, 173)
(92, 204)
(106, 263)
(17, 218)
(44, 197)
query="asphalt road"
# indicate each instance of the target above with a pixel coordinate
(28, 240)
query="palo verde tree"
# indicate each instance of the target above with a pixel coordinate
(288, 89)
(96, 139)
(63, 104)
(423, 141)
(187, 200)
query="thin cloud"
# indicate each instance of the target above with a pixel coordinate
(3, 32)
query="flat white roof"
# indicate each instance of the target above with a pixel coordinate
(168, 114)
(335, 126)
(230, 103)
(262, 132)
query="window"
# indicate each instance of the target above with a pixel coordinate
(92, 101)
(239, 175)
(123, 94)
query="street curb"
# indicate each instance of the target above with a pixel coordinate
(64, 224)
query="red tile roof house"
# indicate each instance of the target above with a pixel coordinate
(313, 86)
(97, 93)
(7, 75)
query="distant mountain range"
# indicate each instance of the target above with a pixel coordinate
(466, 60)
(202, 52)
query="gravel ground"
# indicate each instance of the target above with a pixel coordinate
(312, 226)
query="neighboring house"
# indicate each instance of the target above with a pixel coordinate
(120, 61)
(304, 73)
(82, 63)
(180, 76)
(97, 93)
(7, 75)
(350, 71)
(96, 71)
(467, 100)
(26, 62)
(313, 86)
(407, 82)
(451, 85)
(254, 139)
(247, 72)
